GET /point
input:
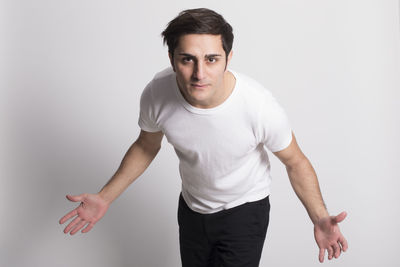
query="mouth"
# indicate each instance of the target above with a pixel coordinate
(196, 85)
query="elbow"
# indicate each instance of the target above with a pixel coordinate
(150, 149)
(297, 163)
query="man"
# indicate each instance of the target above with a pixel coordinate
(219, 123)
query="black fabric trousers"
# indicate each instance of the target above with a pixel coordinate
(229, 238)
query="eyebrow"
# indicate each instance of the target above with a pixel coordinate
(206, 56)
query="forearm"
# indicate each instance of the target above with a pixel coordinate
(305, 183)
(134, 163)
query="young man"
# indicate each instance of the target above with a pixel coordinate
(219, 122)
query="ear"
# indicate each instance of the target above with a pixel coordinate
(171, 60)
(229, 57)
(228, 60)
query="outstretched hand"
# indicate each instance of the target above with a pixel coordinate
(91, 209)
(328, 236)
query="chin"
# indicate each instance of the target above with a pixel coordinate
(199, 96)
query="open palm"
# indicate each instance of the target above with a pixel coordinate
(328, 236)
(91, 209)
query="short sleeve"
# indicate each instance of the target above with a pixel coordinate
(147, 121)
(274, 126)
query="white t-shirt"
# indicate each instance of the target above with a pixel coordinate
(222, 159)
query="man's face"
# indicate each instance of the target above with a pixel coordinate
(200, 65)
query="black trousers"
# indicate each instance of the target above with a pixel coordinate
(229, 238)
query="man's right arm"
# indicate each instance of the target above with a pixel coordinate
(135, 162)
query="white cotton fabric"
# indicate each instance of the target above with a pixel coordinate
(223, 162)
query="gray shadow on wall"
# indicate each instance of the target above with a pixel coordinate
(55, 148)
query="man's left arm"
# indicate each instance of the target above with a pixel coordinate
(305, 184)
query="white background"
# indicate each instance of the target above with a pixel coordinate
(71, 77)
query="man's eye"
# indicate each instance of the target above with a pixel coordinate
(187, 59)
(212, 60)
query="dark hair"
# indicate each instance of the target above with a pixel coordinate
(198, 21)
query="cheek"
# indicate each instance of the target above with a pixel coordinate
(183, 77)
(183, 72)
(217, 75)
(218, 69)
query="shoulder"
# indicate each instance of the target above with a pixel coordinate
(253, 89)
(162, 79)
(165, 73)
(259, 99)
(158, 84)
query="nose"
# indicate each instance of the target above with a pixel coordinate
(198, 71)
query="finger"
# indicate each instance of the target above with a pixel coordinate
(68, 216)
(339, 218)
(336, 250)
(78, 227)
(343, 243)
(72, 224)
(321, 255)
(88, 228)
(330, 253)
(77, 198)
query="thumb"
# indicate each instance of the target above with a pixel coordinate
(77, 198)
(339, 218)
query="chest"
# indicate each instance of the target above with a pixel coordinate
(210, 138)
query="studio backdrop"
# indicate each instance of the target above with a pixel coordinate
(72, 73)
